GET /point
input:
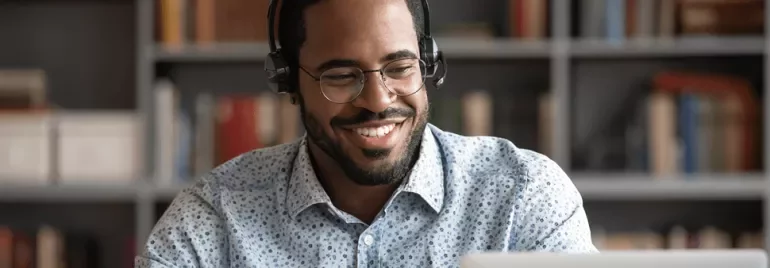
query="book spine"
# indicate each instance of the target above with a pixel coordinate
(616, 22)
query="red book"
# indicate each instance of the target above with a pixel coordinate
(23, 251)
(237, 127)
(6, 247)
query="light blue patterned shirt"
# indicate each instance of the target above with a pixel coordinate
(266, 208)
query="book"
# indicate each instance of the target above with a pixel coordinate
(166, 107)
(721, 17)
(237, 126)
(662, 132)
(477, 109)
(23, 89)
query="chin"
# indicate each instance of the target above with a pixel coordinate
(370, 155)
(377, 152)
(371, 168)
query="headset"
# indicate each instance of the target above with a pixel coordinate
(278, 70)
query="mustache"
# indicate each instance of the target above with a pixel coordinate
(366, 115)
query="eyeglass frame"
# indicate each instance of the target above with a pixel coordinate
(364, 72)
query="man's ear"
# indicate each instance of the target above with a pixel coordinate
(293, 98)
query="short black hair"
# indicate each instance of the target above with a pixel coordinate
(291, 30)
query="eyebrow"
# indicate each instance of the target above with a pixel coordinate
(401, 54)
(336, 63)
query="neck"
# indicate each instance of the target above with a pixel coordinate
(363, 202)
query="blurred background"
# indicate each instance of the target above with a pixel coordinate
(655, 109)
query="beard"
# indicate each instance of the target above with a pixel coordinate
(387, 172)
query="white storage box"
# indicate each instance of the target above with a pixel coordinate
(25, 148)
(98, 147)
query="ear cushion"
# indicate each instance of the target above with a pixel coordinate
(277, 72)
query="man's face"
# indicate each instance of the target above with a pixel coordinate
(374, 137)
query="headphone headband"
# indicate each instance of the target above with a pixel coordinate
(426, 17)
(271, 23)
(277, 70)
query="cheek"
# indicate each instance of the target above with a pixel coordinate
(318, 111)
(419, 102)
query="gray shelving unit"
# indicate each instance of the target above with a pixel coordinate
(554, 64)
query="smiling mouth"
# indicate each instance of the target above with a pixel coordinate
(375, 135)
(375, 132)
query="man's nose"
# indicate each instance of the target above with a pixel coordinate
(375, 96)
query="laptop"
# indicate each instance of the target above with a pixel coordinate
(748, 258)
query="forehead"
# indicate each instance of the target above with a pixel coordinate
(360, 30)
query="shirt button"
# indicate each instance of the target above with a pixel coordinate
(368, 240)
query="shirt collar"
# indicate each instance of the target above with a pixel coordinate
(426, 178)
(304, 188)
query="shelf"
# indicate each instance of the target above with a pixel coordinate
(502, 48)
(225, 52)
(599, 186)
(494, 48)
(644, 187)
(69, 192)
(452, 47)
(166, 193)
(690, 46)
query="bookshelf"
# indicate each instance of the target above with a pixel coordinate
(586, 77)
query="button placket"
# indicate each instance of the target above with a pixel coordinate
(365, 249)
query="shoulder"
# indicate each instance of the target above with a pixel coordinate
(257, 172)
(192, 229)
(522, 173)
(525, 193)
(194, 226)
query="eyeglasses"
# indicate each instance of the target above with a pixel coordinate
(402, 77)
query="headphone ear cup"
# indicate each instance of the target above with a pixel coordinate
(277, 72)
(433, 57)
(439, 80)
(429, 54)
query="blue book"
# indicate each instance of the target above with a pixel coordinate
(616, 20)
(688, 109)
(184, 151)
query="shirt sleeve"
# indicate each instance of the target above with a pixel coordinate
(551, 216)
(189, 234)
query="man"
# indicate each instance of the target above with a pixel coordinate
(372, 184)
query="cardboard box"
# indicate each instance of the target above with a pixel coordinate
(99, 146)
(25, 147)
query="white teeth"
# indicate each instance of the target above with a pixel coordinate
(375, 131)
